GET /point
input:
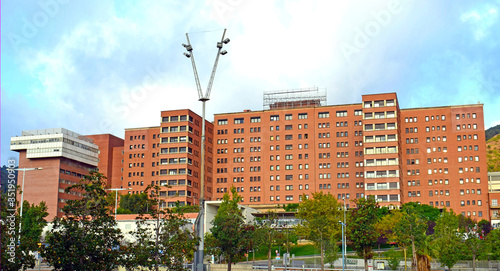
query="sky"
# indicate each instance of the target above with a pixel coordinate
(100, 66)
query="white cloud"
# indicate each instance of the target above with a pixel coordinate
(494, 123)
(481, 21)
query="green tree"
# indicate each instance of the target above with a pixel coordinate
(410, 231)
(229, 235)
(362, 227)
(132, 203)
(320, 218)
(332, 251)
(386, 223)
(291, 207)
(16, 253)
(86, 238)
(393, 258)
(474, 243)
(493, 243)
(485, 226)
(162, 236)
(429, 213)
(176, 242)
(140, 252)
(268, 235)
(446, 239)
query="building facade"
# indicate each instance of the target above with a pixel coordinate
(110, 157)
(169, 156)
(64, 157)
(276, 156)
(434, 156)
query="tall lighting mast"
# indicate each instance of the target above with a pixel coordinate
(203, 97)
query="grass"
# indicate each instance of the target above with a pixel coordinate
(298, 250)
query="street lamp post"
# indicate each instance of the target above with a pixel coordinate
(343, 245)
(199, 223)
(116, 196)
(344, 240)
(22, 196)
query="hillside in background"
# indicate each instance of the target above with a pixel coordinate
(5, 178)
(493, 153)
(491, 132)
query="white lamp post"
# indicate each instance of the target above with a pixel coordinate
(22, 196)
(116, 196)
(344, 240)
(203, 97)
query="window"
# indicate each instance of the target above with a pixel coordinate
(302, 116)
(341, 113)
(323, 115)
(275, 117)
(288, 116)
(238, 120)
(222, 122)
(254, 119)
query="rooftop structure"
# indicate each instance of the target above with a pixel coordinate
(305, 97)
(57, 142)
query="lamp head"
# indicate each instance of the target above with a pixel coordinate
(188, 47)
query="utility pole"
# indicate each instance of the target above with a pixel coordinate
(200, 220)
(116, 196)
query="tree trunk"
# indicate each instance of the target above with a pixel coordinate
(253, 253)
(424, 263)
(229, 264)
(365, 257)
(474, 262)
(322, 257)
(269, 259)
(414, 260)
(157, 258)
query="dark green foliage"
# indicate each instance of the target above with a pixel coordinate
(393, 258)
(465, 223)
(475, 244)
(428, 212)
(320, 217)
(33, 222)
(493, 244)
(410, 231)
(186, 208)
(291, 207)
(268, 236)
(447, 240)
(162, 237)
(382, 211)
(485, 226)
(87, 237)
(229, 236)
(332, 252)
(491, 132)
(361, 230)
(134, 203)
